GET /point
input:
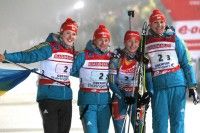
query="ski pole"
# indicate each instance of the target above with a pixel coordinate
(124, 122)
(131, 14)
(35, 72)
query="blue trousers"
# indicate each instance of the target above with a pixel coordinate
(96, 118)
(169, 103)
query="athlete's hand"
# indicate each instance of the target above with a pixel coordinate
(140, 57)
(194, 94)
(129, 100)
(144, 100)
(2, 58)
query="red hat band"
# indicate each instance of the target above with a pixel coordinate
(101, 32)
(156, 15)
(69, 24)
(131, 34)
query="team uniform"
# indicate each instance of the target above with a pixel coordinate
(91, 66)
(55, 57)
(171, 73)
(122, 82)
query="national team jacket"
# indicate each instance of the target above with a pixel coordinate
(170, 62)
(122, 75)
(55, 62)
(91, 66)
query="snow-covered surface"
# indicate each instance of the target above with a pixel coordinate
(19, 111)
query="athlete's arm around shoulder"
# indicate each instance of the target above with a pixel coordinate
(77, 64)
(112, 76)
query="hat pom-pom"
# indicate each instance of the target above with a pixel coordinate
(101, 26)
(156, 11)
(68, 20)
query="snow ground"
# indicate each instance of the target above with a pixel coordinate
(19, 112)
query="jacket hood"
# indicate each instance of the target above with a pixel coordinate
(167, 32)
(58, 39)
(92, 48)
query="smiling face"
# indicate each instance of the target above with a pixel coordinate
(102, 43)
(132, 44)
(158, 26)
(69, 37)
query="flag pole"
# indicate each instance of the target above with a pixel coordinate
(32, 70)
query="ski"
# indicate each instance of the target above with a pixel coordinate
(140, 113)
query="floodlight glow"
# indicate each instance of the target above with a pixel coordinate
(78, 5)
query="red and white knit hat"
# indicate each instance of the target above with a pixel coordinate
(130, 34)
(101, 32)
(69, 24)
(156, 15)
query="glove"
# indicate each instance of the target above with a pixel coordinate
(129, 100)
(144, 100)
(140, 55)
(194, 94)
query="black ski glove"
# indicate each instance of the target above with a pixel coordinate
(129, 100)
(139, 56)
(194, 94)
(144, 100)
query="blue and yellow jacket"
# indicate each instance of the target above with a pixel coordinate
(185, 76)
(39, 53)
(85, 98)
